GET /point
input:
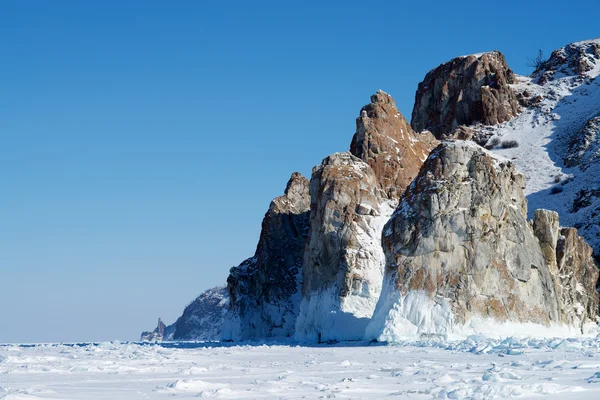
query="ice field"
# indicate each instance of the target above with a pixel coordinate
(476, 368)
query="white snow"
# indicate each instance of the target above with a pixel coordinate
(416, 316)
(544, 134)
(326, 315)
(475, 368)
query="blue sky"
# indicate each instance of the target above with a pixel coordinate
(142, 141)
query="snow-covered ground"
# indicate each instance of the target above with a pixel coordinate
(476, 368)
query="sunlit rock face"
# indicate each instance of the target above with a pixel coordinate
(352, 197)
(459, 249)
(465, 91)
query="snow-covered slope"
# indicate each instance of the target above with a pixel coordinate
(202, 319)
(558, 146)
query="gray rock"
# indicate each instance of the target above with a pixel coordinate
(157, 335)
(459, 249)
(264, 290)
(571, 263)
(202, 319)
(352, 196)
(343, 262)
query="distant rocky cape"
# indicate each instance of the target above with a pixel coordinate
(417, 230)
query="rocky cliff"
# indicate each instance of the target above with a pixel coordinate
(458, 255)
(264, 290)
(157, 335)
(460, 252)
(202, 319)
(387, 142)
(343, 263)
(465, 91)
(352, 196)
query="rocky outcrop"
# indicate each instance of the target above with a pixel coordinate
(584, 148)
(570, 261)
(459, 250)
(264, 290)
(574, 59)
(202, 319)
(157, 335)
(343, 263)
(352, 196)
(465, 91)
(387, 142)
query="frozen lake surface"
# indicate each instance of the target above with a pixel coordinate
(476, 368)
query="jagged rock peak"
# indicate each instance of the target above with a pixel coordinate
(460, 251)
(382, 97)
(386, 141)
(264, 290)
(574, 59)
(343, 262)
(572, 265)
(296, 186)
(465, 91)
(157, 335)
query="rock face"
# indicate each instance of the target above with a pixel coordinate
(570, 261)
(264, 290)
(459, 250)
(352, 196)
(157, 335)
(574, 59)
(584, 149)
(465, 91)
(386, 141)
(343, 263)
(202, 319)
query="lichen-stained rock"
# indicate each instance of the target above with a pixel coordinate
(387, 142)
(460, 250)
(343, 261)
(264, 290)
(570, 261)
(464, 91)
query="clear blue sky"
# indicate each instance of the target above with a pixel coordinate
(142, 141)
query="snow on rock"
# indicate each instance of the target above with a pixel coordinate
(265, 289)
(202, 319)
(459, 251)
(343, 264)
(352, 197)
(556, 137)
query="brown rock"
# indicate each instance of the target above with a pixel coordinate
(387, 142)
(464, 91)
